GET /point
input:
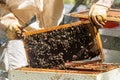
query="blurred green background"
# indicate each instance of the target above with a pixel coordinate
(74, 1)
(69, 1)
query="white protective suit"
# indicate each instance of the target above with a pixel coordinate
(106, 3)
(17, 12)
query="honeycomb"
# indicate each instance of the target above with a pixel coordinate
(52, 49)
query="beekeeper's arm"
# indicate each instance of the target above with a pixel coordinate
(8, 23)
(9, 50)
(17, 13)
(98, 12)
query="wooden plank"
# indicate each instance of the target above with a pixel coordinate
(112, 15)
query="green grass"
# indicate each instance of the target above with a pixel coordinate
(69, 1)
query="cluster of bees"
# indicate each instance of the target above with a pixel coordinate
(52, 49)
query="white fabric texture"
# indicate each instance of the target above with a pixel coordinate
(106, 3)
(12, 54)
(50, 13)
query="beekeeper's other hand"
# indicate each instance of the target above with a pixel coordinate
(98, 15)
(12, 31)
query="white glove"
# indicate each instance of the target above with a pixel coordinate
(98, 15)
(12, 31)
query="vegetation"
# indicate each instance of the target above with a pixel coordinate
(69, 1)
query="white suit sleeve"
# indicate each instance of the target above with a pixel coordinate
(6, 17)
(106, 3)
(7, 20)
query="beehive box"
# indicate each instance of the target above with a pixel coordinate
(102, 72)
(71, 47)
(53, 47)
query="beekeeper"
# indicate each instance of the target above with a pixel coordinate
(13, 14)
(98, 12)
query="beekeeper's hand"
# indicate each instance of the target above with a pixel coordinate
(13, 31)
(98, 15)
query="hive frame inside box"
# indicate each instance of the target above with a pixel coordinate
(93, 30)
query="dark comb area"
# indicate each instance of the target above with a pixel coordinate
(52, 49)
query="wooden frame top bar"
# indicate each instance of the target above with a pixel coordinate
(112, 15)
